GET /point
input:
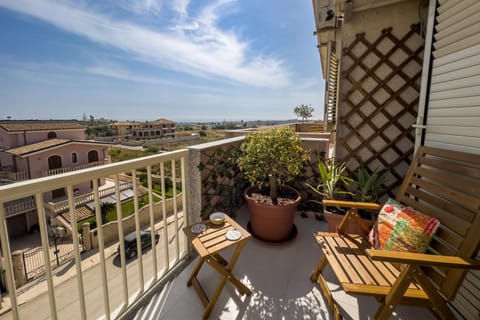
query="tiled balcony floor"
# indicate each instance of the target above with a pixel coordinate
(278, 276)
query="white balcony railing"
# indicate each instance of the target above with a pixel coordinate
(134, 279)
(20, 206)
(14, 176)
(73, 168)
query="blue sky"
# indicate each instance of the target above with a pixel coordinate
(184, 60)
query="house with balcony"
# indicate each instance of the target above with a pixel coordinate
(399, 74)
(161, 128)
(124, 128)
(34, 149)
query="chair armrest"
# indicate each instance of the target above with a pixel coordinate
(352, 204)
(423, 259)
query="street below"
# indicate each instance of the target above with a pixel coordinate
(66, 293)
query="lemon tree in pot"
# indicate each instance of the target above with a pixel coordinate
(271, 160)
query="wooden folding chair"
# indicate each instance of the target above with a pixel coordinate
(443, 184)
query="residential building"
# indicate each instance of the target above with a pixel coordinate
(34, 149)
(124, 128)
(161, 128)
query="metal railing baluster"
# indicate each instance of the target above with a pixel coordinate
(175, 210)
(137, 231)
(46, 254)
(185, 192)
(120, 240)
(78, 259)
(164, 215)
(152, 222)
(101, 249)
(7, 254)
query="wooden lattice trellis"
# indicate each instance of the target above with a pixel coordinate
(380, 83)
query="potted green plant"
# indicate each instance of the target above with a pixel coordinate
(333, 185)
(271, 160)
(367, 186)
(333, 182)
(332, 179)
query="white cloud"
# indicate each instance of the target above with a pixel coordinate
(202, 50)
(61, 74)
(117, 72)
(180, 6)
(140, 6)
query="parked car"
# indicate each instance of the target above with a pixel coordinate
(130, 241)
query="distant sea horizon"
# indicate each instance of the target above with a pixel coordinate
(178, 120)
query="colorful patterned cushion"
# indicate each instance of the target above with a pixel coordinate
(402, 228)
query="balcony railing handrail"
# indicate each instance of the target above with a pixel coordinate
(73, 168)
(27, 188)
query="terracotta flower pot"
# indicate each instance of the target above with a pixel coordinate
(271, 222)
(334, 219)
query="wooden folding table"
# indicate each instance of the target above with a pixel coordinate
(209, 244)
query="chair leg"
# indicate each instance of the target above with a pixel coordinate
(318, 269)
(439, 305)
(329, 298)
(318, 277)
(395, 295)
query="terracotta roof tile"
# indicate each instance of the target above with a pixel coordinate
(126, 123)
(46, 144)
(39, 125)
(162, 121)
(19, 151)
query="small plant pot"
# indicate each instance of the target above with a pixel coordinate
(334, 219)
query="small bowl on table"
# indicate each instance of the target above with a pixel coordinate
(217, 218)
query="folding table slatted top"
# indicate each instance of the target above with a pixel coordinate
(209, 244)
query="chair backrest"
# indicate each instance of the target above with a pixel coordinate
(446, 184)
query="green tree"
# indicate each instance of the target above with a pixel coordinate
(105, 207)
(304, 111)
(152, 148)
(272, 158)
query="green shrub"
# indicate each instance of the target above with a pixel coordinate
(272, 158)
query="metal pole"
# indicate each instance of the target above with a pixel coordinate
(78, 259)
(55, 246)
(101, 249)
(46, 254)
